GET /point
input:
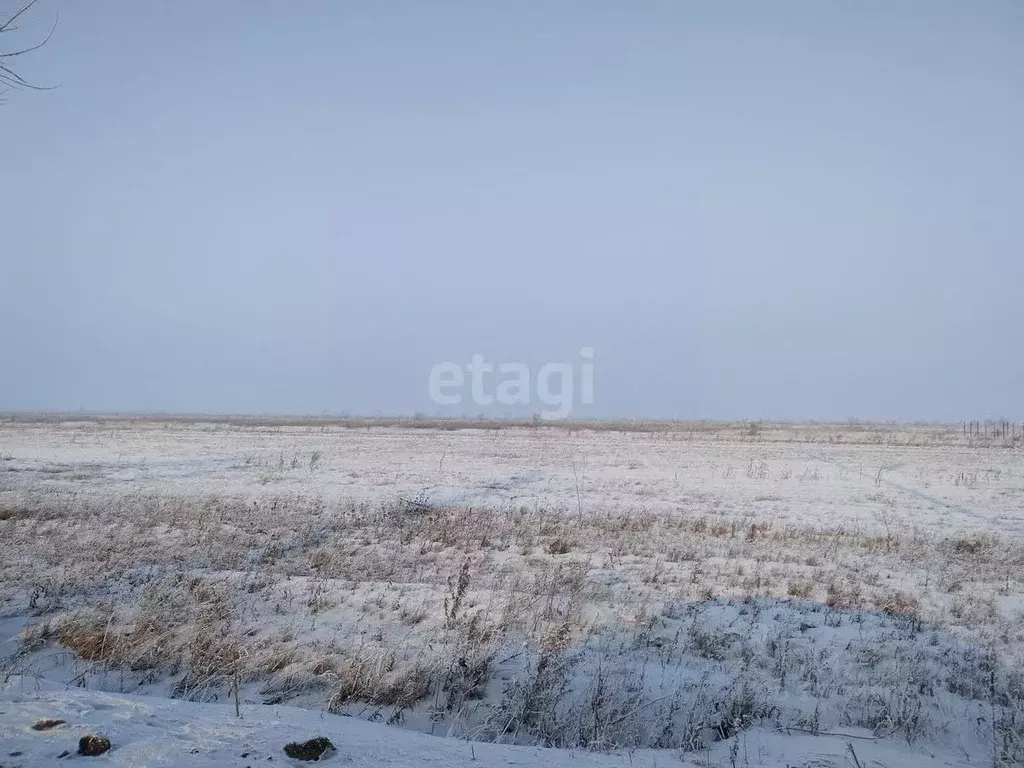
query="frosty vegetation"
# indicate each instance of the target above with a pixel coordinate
(660, 588)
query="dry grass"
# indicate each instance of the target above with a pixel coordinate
(176, 563)
(402, 604)
(849, 432)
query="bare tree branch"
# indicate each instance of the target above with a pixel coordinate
(31, 48)
(9, 79)
(6, 26)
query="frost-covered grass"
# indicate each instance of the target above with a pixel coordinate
(669, 589)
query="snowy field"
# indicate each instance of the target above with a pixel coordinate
(705, 594)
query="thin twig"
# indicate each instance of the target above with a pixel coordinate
(6, 26)
(827, 733)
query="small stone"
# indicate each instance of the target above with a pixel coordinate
(46, 724)
(314, 749)
(91, 746)
(63, 754)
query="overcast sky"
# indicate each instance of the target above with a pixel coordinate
(814, 212)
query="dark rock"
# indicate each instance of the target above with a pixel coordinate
(46, 724)
(63, 754)
(91, 746)
(314, 749)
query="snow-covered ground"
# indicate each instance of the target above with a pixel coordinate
(925, 477)
(717, 594)
(165, 732)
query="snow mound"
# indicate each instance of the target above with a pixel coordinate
(165, 732)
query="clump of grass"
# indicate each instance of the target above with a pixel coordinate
(843, 595)
(457, 588)
(901, 604)
(379, 680)
(559, 546)
(800, 588)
